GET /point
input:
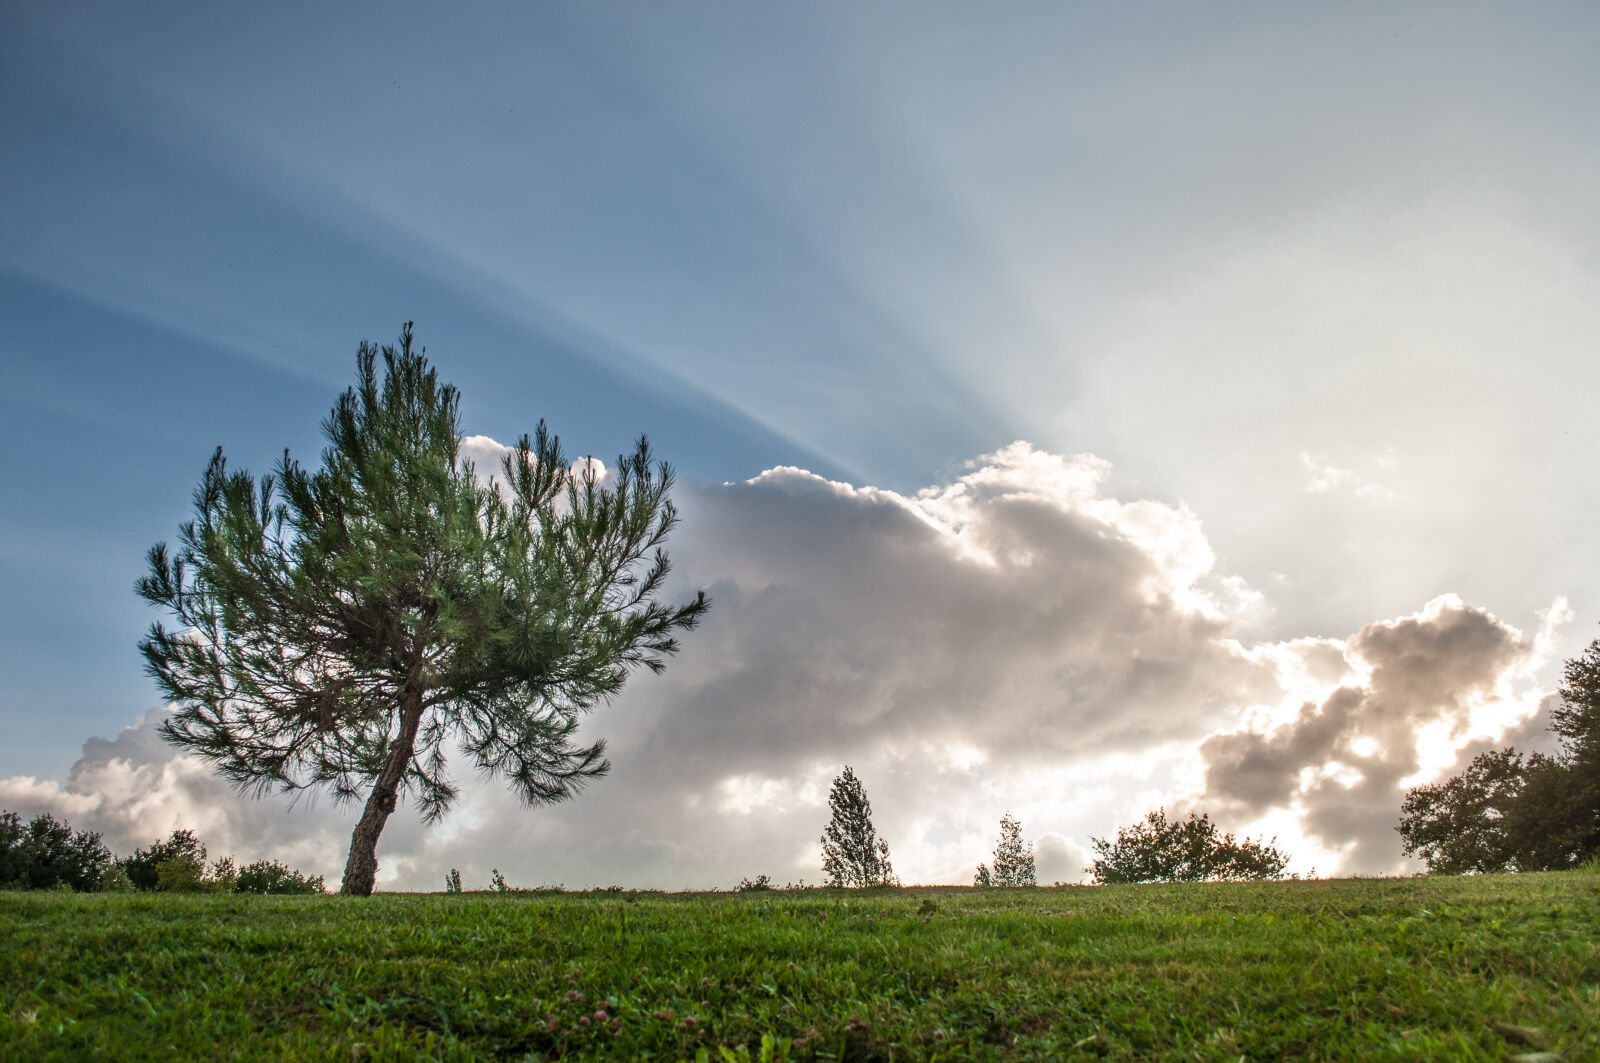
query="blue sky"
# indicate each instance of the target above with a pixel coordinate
(1304, 300)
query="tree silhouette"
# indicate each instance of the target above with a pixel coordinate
(1507, 812)
(338, 627)
(1191, 850)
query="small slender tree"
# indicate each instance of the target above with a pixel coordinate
(1013, 861)
(340, 627)
(853, 855)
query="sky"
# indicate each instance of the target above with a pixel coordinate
(1076, 410)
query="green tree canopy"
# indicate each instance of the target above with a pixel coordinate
(46, 853)
(853, 855)
(342, 627)
(1507, 812)
(1190, 850)
(182, 848)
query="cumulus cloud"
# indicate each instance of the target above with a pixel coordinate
(1015, 639)
(488, 458)
(1416, 688)
(135, 789)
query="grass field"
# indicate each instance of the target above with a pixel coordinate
(1420, 968)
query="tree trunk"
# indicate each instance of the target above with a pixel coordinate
(361, 869)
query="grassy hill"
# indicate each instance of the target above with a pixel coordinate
(1369, 969)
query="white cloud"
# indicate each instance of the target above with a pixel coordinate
(135, 789)
(1015, 640)
(1417, 691)
(488, 457)
(1323, 476)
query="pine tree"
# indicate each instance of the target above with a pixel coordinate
(853, 855)
(346, 627)
(1013, 861)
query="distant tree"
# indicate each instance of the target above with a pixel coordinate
(1576, 722)
(266, 876)
(343, 627)
(1507, 812)
(1191, 850)
(182, 876)
(1469, 822)
(11, 834)
(181, 856)
(1013, 861)
(47, 853)
(853, 855)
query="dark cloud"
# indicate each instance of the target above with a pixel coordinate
(1013, 640)
(1343, 760)
(846, 618)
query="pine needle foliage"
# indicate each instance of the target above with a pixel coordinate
(342, 627)
(853, 856)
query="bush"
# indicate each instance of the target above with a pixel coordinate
(269, 876)
(762, 882)
(183, 847)
(1192, 850)
(180, 875)
(46, 854)
(224, 878)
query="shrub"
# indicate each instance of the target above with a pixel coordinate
(269, 876)
(114, 879)
(180, 875)
(762, 882)
(1190, 850)
(452, 881)
(224, 878)
(182, 846)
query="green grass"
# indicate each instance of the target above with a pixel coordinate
(1420, 968)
